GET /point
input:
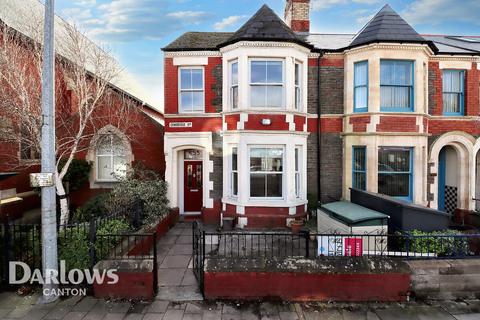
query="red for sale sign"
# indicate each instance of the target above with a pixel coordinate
(353, 247)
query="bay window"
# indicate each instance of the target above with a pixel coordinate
(359, 169)
(360, 85)
(111, 158)
(298, 86)
(266, 83)
(297, 172)
(396, 85)
(191, 91)
(266, 172)
(453, 92)
(234, 172)
(395, 172)
(234, 84)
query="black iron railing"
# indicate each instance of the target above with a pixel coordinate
(250, 244)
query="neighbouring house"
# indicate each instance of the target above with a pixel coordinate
(262, 120)
(110, 148)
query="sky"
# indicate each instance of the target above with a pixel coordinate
(135, 30)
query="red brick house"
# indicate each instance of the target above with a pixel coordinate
(259, 121)
(111, 146)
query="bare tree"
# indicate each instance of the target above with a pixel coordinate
(86, 97)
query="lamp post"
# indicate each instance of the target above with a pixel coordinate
(49, 216)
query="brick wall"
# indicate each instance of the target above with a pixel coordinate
(312, 165)
(331, 172)
(331, 86)
(472, 87)
(435, 100)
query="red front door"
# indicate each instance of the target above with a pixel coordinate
(193, 186)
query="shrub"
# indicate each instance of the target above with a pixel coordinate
(109, 235)
(95, 207)
(73, 247)
(144, 185)
(443, 242)
(77, 173)
(74, 242)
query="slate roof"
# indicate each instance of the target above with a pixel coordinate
(195, 41)
(265, 25)
(386, 26)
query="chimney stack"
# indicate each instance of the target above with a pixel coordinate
(297, 15)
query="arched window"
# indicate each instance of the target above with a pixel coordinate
(111, 158)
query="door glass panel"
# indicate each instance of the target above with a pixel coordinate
(199, 176)
(189, 176)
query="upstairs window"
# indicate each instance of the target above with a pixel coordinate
(453, 92)
(266, 83)
(191, 90)
(359, 170)
(111, 158)
(396, 86)
(266, 172)
(234, 84)
(298, 86)
(395, 172)
(360, 98)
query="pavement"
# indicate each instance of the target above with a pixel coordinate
(179, 299)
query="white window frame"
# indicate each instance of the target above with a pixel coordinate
(298, 104)
(251, 84)
(298, 171)
(283, 172)
(111, 156)
(180, 107)
(233, 172)
(232, 85)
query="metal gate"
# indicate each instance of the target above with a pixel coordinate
(198, 253)
(19, 243)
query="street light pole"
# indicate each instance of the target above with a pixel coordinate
(49, 215)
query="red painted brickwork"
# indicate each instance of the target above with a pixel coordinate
(312, 125)
(231, 210)
(301, 286)
(326, 62)
(472, 82)
(440, 126)
(300, 25)
(359, 123)
(212, 215)
(331, 125)
(437, 98)
(199, 124)
(131, 285)
(397, 124)
(254, 122)
(231, 121)
(171, 85)
(299, 122)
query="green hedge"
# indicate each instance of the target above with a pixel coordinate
(443, 242)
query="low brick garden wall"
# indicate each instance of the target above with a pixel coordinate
(136, 277)
(348, 279)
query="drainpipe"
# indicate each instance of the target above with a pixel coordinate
(319, 143)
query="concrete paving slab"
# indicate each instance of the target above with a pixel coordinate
(189, 278)
(231, 309)
(19, 312)
(179, 293)
(185, 240)
(181, 249)
(158, 306)
(472, 316)
(194, 308)
(153, 316)
(226, 316)
(212, 315)
(133, 316)
(36, 314)
(288, 315)
(192, 316)
(114, 316)
(170, 277)
(85, 305)
(178, 261)
(173, 315)
(58, 313)
(354, 315)
(75, 315)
